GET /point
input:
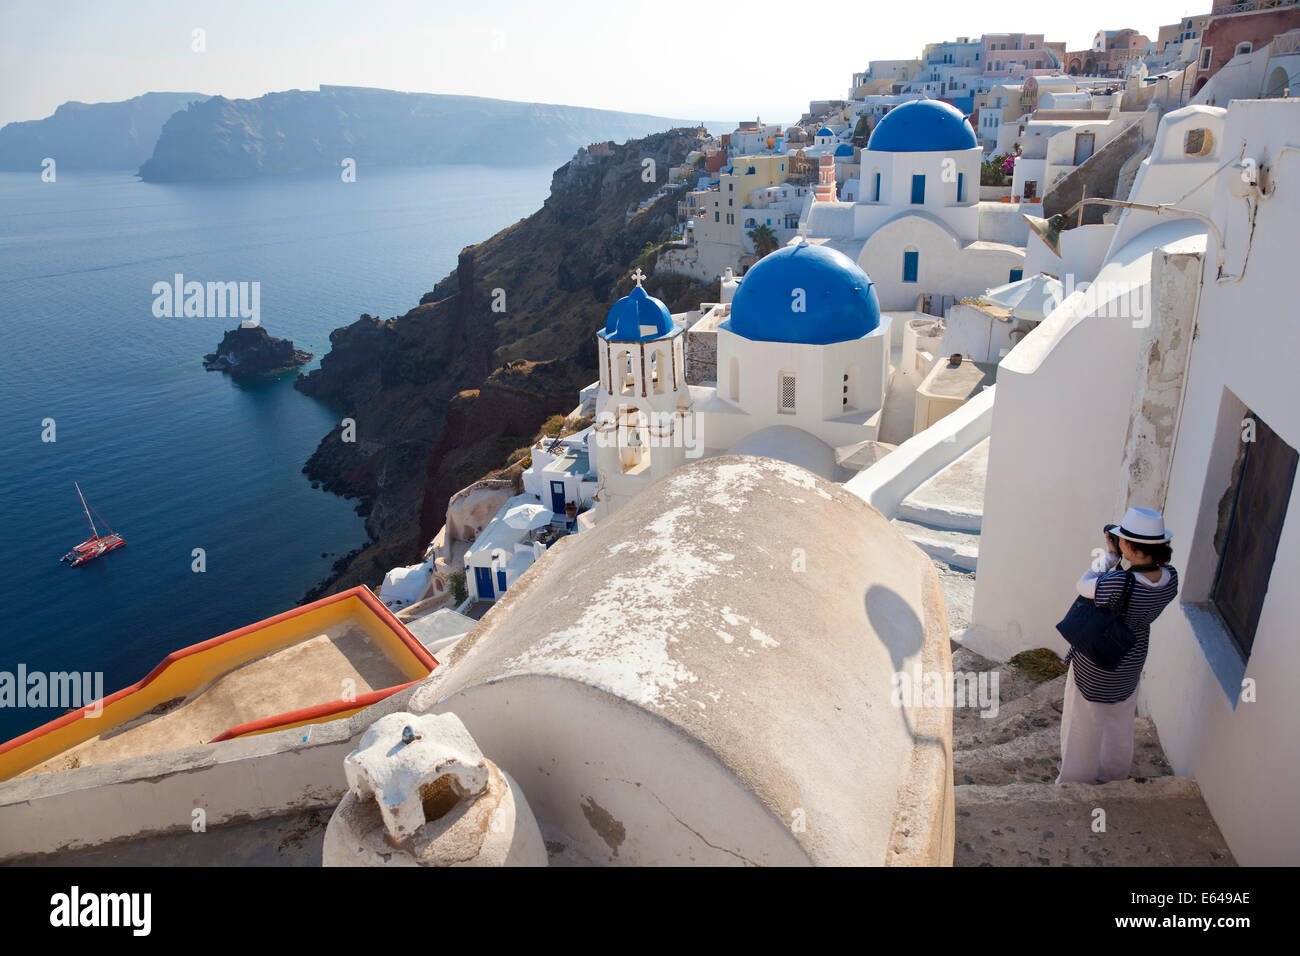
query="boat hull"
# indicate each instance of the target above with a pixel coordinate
(93, 548)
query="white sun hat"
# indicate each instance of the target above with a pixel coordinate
(1142, 526)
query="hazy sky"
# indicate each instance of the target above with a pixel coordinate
(713, 61)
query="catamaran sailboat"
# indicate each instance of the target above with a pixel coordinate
(96, 545)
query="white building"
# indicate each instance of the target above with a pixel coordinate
(1169, 383)
(918, 227)
(1057, 142)
(496, 559)
(802, 364)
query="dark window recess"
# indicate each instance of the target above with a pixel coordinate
(1268, 471)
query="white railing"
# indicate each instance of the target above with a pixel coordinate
(1250, 6)
(1285, 44)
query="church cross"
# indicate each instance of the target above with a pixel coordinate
(638, 277)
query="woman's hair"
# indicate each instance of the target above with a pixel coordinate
(1157, 553)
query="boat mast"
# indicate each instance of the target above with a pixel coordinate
(94, 532)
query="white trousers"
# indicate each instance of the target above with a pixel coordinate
(1096, 739)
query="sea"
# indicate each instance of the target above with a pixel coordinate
(201, 474)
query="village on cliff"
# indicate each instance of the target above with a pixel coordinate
(783, 586)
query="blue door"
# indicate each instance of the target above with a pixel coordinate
(483, 582)
(557, 497)
(918, 189)
(910, 262)
(501, 580)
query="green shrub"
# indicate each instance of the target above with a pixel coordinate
(456, 581)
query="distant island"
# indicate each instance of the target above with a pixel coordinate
(92, 135)
(298, 130)
(251, 351)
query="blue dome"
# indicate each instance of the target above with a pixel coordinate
(922, 126)
(844, 149)
(637, 317)
(839, 299)
(825, 131)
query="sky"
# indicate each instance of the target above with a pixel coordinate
(714, 62)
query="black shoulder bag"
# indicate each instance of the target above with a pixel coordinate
(1100, 633)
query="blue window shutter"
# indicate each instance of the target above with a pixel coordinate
(961, 186)
(877, 187)
(911, 260)
(918, 189)
(1016, 275)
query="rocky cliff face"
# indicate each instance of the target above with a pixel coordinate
(306, 129)
(443, 394)
(92, 135)
(251, 351)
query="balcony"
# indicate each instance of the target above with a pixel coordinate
(1250, 6)
(1286, 44)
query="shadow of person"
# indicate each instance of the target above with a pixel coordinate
(895, 624)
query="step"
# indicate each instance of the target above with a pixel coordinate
(952, 498)
(958, 594)
(1157, 822)
(1012, 684)
(1036, 758)
(947, 517)
(960, 549)
(1025, 713)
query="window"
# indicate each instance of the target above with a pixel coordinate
(1206, 54)
(1016, 275)
(1242, 48)
(961, 187)
(657, 370)
(1198, 142)
(787, 396)
(918, 189)
(911, 263)
(717, 217)
(1259, 503)
(624, 365)
(877, 187)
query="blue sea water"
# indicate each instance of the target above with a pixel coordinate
(175, 457)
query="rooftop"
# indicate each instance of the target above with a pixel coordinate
(235, 684)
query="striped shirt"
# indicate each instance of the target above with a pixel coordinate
(1147, 600)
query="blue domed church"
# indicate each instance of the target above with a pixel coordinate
(918, 227)
(802, 366)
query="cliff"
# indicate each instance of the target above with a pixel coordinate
(250, 351)
(301, 130)
(444, 393)
(92, 135)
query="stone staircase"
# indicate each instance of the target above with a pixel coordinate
(1009, 811)
(943, 514)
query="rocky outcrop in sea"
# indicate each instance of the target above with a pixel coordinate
(250, 351)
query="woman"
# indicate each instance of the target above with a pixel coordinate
(1100, 705)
